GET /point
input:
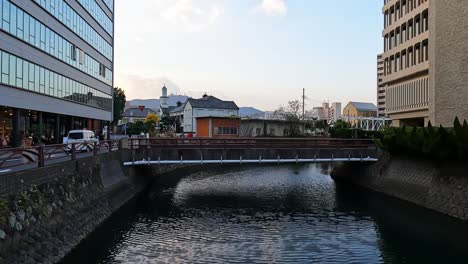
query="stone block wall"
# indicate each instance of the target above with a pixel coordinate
(439, 187)
(46, 212)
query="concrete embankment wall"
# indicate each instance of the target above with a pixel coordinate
(439, 187)
(46, 212)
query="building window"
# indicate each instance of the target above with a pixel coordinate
(22, 74)
(102, 70)
(73, 52)
(258, 131)
(227, 130)
(82, 57)
(272, 132)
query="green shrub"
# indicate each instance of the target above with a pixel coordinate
(433, 143)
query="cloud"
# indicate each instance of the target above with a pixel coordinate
(193, 17)
(273, 7)
(139, 87)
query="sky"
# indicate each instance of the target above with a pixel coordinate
(259, 53)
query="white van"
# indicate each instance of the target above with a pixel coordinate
(80, 136)
(84, 139)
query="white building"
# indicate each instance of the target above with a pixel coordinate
(325, 112)
(320, 113)
(203, 107)
(335, 112)
(271, 115)
(164, 107)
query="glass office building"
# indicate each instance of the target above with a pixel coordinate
(56, 68)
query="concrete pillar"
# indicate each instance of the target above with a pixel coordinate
(108, 130)
(58, 139)
(396, 123)
(40, 122)
(426, 121)
(16, 133)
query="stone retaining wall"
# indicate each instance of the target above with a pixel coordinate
(46, 212)
(439, 187)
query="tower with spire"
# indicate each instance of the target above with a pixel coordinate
(163, 99)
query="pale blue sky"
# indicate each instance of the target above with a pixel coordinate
(260, 53)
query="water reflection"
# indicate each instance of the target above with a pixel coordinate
(282, 214)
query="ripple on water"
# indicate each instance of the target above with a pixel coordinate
(278, 214)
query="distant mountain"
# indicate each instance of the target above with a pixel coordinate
(154, 103)
(251, 112)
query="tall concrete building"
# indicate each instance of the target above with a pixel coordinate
(56, 67)
(425, 61)
(380, 87)
(335, 112)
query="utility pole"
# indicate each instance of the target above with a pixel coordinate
(303, 104)
(303, 111)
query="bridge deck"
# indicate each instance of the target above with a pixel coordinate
(249, 150)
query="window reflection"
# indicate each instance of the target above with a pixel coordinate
(19, 73)
(64, 13)
(35, 33)
(98, 14)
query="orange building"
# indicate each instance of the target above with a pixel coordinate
(218, 127)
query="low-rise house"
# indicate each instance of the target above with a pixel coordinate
(354, 110)
(208, 106)
(218, 127)
(134, 114)
(359, 109)
(270, 128)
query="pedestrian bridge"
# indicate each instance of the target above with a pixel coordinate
(160, 151)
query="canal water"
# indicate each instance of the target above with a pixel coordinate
(273, 214)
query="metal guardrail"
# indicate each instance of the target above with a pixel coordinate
(250, 143)
(305, 149)
(41, 155)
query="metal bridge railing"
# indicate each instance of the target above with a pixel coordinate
(243, 143)
(43, 155)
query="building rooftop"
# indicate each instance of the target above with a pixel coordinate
(136, 112)
(364, 107)
(178, 108)
(208, 102)
(167, 110)
(212, 102)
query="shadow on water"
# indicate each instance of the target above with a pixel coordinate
(295, 213)
(407, 233)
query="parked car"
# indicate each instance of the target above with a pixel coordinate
(83, 139)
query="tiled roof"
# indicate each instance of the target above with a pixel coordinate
(364, 107)
(178, 108)
(136, 112)
(168, 109)
(213, 103)
(208, 102)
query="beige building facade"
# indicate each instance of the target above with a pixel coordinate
(425, 61)
(380, 87)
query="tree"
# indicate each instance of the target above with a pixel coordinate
(292, 113)
(169, 123)
(119, 104)
(150, 121)
(136, 128)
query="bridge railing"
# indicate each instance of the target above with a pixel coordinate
(242, 143)
(39, 156)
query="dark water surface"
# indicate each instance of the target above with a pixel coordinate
(277, 214)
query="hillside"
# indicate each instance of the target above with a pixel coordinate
(154, 103)
(250, 112)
